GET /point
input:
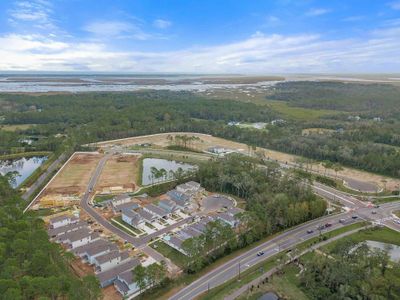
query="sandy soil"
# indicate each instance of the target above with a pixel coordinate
(75, 176)
(120, 170)
(207, 141)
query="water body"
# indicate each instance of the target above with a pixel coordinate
(24, 166)
(167, 165)
(393, 250)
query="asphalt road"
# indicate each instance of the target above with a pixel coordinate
(284, 241)
(43, 177)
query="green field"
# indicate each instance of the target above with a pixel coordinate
(13, 128)
(175, 256)
(298, 113)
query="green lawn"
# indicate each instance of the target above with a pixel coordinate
(384, 235)
(298, 113)
(119, 219)
(102, 198)
(175, 256)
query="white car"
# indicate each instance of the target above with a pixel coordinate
(397, 221)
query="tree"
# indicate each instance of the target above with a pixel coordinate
(139, 273)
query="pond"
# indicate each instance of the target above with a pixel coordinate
(24, 166)
(170, 166)
(393, 250)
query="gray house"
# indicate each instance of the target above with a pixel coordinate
(108, 277)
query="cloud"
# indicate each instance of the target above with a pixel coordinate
(162, 24)
(395, 5)
(378, 51)
(36, 13)
(314, 12)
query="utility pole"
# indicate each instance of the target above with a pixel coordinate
(239, 270)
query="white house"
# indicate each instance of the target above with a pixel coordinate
(108, 277)
(190, 188)
(156, 211)
(125, 283)
(78, 238)
(132, 218)
(121, 199)
(95, 250)
(62, 220)
(109, 260)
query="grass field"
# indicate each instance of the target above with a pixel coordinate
(119, 170)
(13, 128)
(298, 113)
(75, 176)
(175, 256)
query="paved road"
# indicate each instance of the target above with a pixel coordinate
(284, 241)
(39, 182)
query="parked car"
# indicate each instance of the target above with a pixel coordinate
(328, 225)
(354, 216)
(310, 231)
(260, 253)
(397, 221)
(373, 212)
(342, 221)
(376, 206)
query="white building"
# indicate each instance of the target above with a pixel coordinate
(109, 260)
(62, 220)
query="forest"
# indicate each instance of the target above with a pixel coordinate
(69, 120)
(31, 267)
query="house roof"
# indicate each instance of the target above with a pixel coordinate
(234, 210)
(167, 202)
(125, 206)
(60, 218)
(122, 197)
(101, 259)
(144, 214)
(112, 274)
(121, 285)
(176, 241)
(63, 229)
(156, 210)
(190, 231)
(193, 184)
(226, 217)
(84, 248)
(99, 248)
(178, 197)
(75, 235)
(127, 277)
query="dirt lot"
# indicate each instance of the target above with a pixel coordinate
(75, 176)
(120, 170)
(207, 141)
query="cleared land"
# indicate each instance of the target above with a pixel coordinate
(13, 128)
(119, 171)
(207, 141)
(75, 176)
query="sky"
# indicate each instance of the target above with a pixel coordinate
(201, 36)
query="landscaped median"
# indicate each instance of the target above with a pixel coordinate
(258, 270)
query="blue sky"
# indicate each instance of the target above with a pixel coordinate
(207, 36)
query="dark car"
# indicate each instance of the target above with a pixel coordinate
(260, 253)
(310, 231)
(354, 216)
(328, 225)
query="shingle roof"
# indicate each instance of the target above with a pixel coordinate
(67, 228)
(61, 218)
(127, 276)
(121, 197)
(101, 248)
(167, 202)
(125, 206)
(178, 197)
(112, 274)
(75, 235)
(84, 248)
(156, 210)
(101, 259)
(144, 214)
(176, 241)
(121, 286)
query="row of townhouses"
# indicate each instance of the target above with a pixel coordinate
(111, 265)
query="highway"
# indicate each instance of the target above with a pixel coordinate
(285, 241)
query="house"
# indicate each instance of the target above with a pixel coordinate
(146, 216)
(109, 260)
(62, 220)
(121, 199)
(168, 205)
(81, 251)
(95, 250)
(54, 232)
(78, 238)
(189, 188)
(228, 219)
(132, 218)
(175, 243)
(181, 199)
(156, 211)
(221, 151)
(130, 205)
(125, 283)
(108, 277)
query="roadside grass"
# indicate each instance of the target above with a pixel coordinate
(174, 255)
(119, 219)
(150, 225)
(397, 213)
(102, 198)
(252, 273)
(386, 200)
(285, 285)
(384, 235)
